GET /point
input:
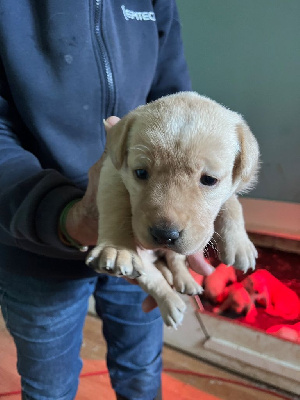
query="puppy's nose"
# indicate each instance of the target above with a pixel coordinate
(164, 235)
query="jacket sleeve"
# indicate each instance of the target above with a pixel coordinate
(31, 198)
(172, 72)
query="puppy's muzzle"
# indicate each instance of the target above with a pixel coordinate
(164, 236)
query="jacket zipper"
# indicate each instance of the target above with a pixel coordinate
(110, 104)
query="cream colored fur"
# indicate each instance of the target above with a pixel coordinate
(178, 140)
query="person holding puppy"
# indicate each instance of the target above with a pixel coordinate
(64, 67)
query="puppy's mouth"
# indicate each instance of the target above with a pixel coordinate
(160, 237)
(179, 247)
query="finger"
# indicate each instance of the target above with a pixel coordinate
(110, 121)
(198, 263)
(149, 304)
(94, 171)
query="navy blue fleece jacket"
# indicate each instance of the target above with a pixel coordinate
(64, 67)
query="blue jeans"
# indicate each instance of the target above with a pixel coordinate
(46, 318)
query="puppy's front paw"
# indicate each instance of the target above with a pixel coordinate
(182, 280)
(240, 253)
(187, 285)
(172, 310)
(115, 261)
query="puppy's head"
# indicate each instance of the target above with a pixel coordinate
(180, 158)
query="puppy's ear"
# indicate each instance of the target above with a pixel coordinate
(247, 161)
(117, 139)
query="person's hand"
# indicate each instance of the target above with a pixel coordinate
(82, 219)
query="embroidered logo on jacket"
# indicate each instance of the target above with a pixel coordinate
(138, 15)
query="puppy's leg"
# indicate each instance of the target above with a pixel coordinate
(182, 279)
(161, 265)
(115, 252)
(233, 243)
(169, 302)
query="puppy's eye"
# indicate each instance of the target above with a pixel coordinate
(141, 174)
(208, 180)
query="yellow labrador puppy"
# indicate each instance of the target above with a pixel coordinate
(168, 184)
